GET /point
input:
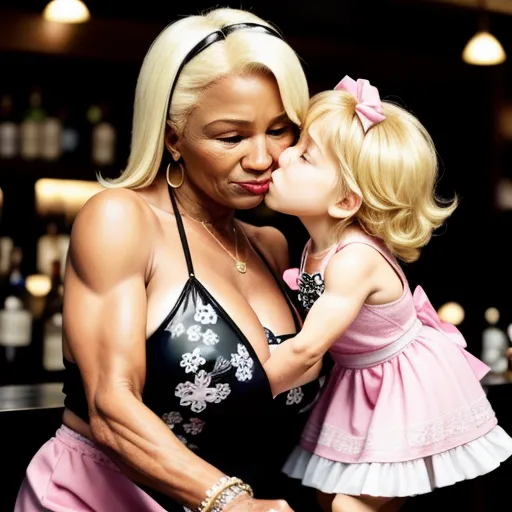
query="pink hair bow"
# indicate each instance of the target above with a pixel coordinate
(369, 106)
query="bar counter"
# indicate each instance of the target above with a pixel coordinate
(31, 397)
(30, 415)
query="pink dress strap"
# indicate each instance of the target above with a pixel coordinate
(305, 253)
(304, 257)
(334, 249)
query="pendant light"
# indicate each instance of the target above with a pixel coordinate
(483, 49)
(66, 11)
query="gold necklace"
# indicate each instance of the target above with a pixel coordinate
(240, 264)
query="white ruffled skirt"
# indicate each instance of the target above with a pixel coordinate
(400, 479)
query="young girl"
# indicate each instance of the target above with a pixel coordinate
(404, 411)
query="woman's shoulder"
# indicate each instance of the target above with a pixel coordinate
(113, 225)
(114, 209)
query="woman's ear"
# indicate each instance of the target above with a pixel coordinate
(171, 142)
(346, 207)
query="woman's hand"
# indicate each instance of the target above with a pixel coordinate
(244, 503)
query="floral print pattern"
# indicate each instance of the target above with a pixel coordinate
(191, 361)
(198, 393)
(243, 363)
(210, 337)
(194, 333)
(176, 330)
(172, 419)
(294, 396)
(194, 426)
(211, 381)
(205, 314)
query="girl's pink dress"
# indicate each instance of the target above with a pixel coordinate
(403, 411)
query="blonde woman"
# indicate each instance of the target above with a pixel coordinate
(171, 305)
(403, 411)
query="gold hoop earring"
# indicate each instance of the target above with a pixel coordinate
(168, 176)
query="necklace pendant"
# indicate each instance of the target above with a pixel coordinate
(241, 266)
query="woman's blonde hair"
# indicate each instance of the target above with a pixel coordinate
(243, 51)
(393, 169)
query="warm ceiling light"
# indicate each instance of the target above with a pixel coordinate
(66, 11)
(483, 49)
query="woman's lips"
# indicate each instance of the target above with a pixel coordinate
(255, 187)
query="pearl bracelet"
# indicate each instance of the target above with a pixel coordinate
(223, 492)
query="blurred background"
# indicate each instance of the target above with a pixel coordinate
(66, 96)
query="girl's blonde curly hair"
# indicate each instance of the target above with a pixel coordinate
(393, 168)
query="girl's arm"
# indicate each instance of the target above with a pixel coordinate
(349, 280)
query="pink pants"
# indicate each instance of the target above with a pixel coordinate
(69, 473)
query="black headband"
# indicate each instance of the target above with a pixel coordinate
(218, 35)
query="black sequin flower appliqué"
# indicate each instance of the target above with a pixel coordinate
(311, 286)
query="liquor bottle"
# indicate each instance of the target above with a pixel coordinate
(495, 344)
(6, 246)
(51, 137)
(31, 128)
(103, 136)
(70, 134)
(52, 323)
(494, 349)
(9, 129)
(15, 285)
(509, 354)
(15, 322)
(52, 246)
